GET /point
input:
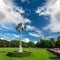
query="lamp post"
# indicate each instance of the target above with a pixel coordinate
(20, 27)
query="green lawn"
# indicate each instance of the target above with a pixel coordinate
(37, 54)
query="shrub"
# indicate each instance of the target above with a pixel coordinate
(17, 54)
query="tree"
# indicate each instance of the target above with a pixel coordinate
(52, 43)
(46, 44)
(58, 42)
(14, 43)
(42, 43)
(31, 44)
(38, 44)
(24, 44)
(4, 43)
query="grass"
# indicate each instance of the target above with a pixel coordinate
(37, 54)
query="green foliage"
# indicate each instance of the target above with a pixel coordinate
(46, 43)
(17, 54)
(52, 43)
(58, 42)
(30, 44)
(4, 43)
(14, 43)
(38, 44)
(24, 44)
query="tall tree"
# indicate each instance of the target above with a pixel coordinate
(42, 43)
(58, 42)
(52, 43)
(31, 44)
(38, 44)
(14, 43)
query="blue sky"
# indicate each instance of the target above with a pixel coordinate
(42, 18)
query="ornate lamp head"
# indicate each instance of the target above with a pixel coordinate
(20, 27)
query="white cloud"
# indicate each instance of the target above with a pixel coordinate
(34, 34)
(20, 10)
(25, 1)
(52, 8)
(33, 28)
(12, 35)
(9, 36)
(26, 40)
(48, 37)
(2, 38)
(9, 14)
(35, 42)
(15, 35)
(29, 27)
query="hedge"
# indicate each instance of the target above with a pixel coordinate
(17, 54)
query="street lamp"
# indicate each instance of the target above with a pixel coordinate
(20, 28)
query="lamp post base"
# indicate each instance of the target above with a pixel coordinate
(20, 49)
